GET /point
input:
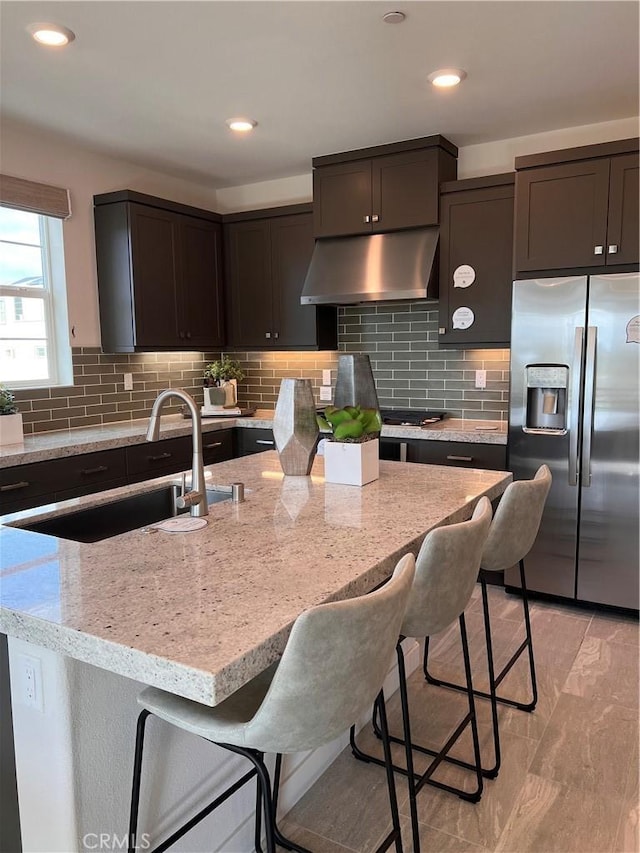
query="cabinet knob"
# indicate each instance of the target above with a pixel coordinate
(613, 249)
(442, 330)
(366, 219)
(189, 335)
(375, 218)
(276, 335)
(181, 334)
(267, 334)
(598, 250)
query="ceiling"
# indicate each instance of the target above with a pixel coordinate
(153, 82)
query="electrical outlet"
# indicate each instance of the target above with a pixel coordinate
(128, 381)
(481, 378)
(326, 393)
(31, 676)
(326, 377)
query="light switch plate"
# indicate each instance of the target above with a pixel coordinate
(128, 381)
(326, 393)
(326, 377)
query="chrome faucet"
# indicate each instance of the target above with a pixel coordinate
(197, 497)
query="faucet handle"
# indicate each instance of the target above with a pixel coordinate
(191, 499)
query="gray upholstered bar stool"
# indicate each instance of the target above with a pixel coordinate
(446, 572)
(330, 672)
(511, 537)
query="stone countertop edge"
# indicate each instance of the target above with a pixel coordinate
(200, 614)
(61, 443)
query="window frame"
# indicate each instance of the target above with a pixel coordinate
(53, 295)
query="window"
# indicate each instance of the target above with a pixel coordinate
(35, 349)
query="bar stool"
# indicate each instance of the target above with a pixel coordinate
(446, 571)
(511, 537)
(331, 670)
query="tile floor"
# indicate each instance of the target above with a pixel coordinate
(569, 776)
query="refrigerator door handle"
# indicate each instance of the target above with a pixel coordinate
(574, 413)
(589, 401)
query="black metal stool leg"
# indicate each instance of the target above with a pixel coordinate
(257, 837)
(408, 751)
(396, 834)
(472, 703)
(529, 640)
(137, 778)
(490, 772)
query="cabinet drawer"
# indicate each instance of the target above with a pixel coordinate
(30, 485)
(217, 446)
(459, 454)
(463, 454)
(254, 441)
(155, 458)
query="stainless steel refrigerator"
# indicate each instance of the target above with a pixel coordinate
(575, 350)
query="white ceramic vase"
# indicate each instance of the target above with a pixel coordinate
(350, 463)
(11, 431)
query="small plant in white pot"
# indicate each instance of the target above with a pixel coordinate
(225, 374)
(351, 451)
(11, 431)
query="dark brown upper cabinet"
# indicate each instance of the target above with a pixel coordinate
(267, 255)
(476, 231)
(577, 209)
(159, 274)
(385, 188)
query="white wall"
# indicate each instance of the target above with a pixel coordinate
(493, 158)
(38, 156)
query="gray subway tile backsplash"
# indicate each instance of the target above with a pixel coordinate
(400, 338)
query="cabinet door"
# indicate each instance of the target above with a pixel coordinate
(217, 446)
(561, 216)
(155, 458)
(624, 223)
(342, 199)
(404, 192)
(248, 280)
(477, 230)
(154, 242)
(39, 483)
(253, 440)
(291, 248)
(200, 269)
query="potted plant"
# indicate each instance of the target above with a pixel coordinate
(351, 450)
(11, 431)
(225, 374)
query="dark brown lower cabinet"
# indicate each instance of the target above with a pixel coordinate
(256, 440)
(460, 454)
(39, 483)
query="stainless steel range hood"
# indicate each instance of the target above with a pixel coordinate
(372, 268)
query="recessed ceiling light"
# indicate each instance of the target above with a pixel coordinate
(393, 17)
(241, 125)
(53, 35)
(446, 77)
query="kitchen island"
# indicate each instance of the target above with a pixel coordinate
(198, 614)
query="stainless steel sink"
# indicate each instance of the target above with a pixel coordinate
(111, 519)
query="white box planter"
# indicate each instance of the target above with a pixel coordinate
(11, 431)
(351, 464)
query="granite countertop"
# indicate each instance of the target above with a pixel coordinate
(201, 613)
(60, 443)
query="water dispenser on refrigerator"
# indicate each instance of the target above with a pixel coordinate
(546, 386)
